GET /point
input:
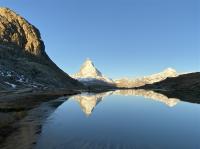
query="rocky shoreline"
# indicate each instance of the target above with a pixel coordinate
(15, 106)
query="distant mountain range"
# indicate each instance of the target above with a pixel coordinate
(90, 75)
(130, 83)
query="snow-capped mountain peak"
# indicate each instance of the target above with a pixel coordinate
(170, 71)
(157, 77)
(88, 73)
(88, 70)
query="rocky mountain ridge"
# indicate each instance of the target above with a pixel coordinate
(131, 83)
(90, 75)
(23, 60)
(185, 87)
(16, 31)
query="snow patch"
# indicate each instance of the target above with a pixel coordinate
(12, 85)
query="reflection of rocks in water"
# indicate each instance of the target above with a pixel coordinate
(88, 101)
(27, 130)
(149, 94)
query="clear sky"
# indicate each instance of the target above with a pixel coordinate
(122, 37)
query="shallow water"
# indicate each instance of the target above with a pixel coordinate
(125, 119)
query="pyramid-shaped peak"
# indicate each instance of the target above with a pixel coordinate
(88, 70)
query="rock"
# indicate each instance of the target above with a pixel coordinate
(16, 31)
(23, 60)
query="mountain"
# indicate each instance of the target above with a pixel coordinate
(23, 60)
(185, 87)
(90, 75)
(130, 83)
(190, 81)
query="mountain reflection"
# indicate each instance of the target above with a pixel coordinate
(149, 95)
(88, 101)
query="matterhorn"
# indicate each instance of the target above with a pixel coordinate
(90, 75)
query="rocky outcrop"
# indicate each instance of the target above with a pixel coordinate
(91, 76)
(23, 60)
(131, 83)
(16, 31)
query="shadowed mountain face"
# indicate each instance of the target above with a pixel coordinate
(23, 60)
(190, 81)
(186, 87)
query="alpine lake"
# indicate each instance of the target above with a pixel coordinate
(122, 119)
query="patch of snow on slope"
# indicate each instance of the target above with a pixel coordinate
(12, 85)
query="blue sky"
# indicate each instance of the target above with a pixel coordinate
(122, 37)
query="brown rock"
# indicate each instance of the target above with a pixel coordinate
(15, 30)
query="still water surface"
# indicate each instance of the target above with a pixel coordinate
(123, 119)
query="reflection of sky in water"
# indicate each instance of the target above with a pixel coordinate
(123, 122)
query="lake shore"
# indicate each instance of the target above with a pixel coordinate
(19, 105)
(15, 106)
(22, 112)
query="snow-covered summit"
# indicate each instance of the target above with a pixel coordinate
(169, 72)
(157, 77)
(88, 73)
(88, 70)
